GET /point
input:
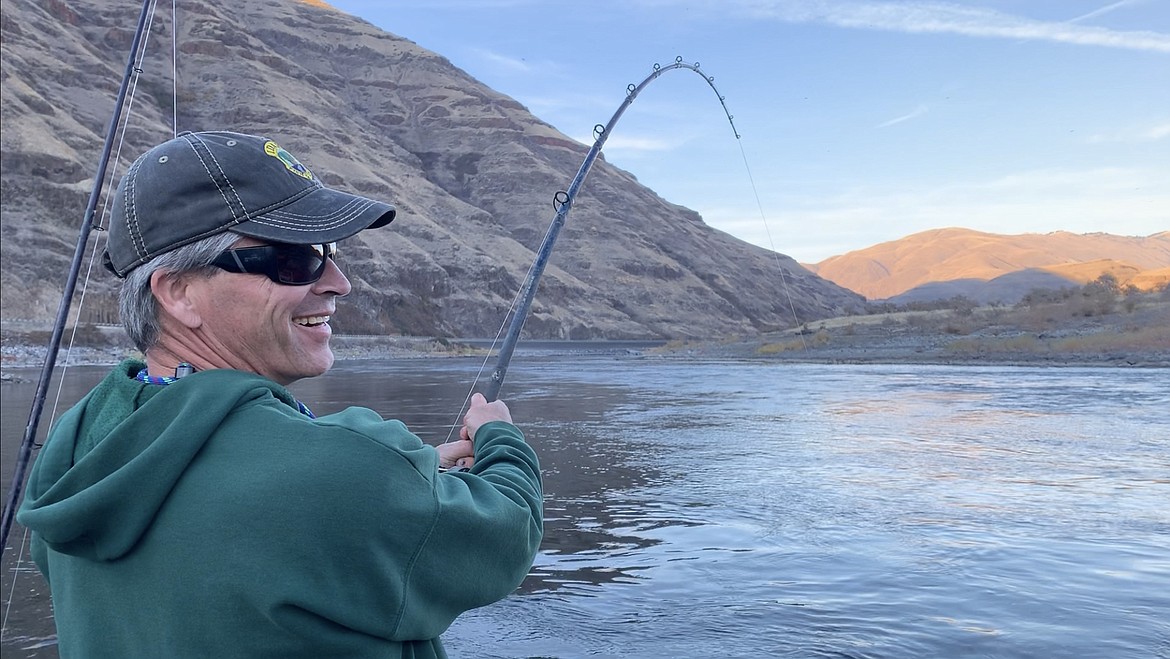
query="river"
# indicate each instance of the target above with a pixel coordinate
(748, 509)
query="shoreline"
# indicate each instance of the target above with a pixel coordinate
(1009, 359)
(876, 344)
(25, 357)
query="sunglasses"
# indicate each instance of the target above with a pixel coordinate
(292, 265)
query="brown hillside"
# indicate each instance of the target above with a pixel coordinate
(951, 255)
(1152, 279)
(1083, 273)
(471, 171)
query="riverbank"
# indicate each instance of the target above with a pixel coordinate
(1131, 337)
(1137, 336)
(17, 351)
(21, 354)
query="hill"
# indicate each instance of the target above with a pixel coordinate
(471, 171)
(943, 263)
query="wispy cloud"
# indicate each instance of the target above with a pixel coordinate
(1158, 132)
(633, 144)
(503, 62)
(950, 18)
(917, 112)
(1105, 10)
(1134, 135)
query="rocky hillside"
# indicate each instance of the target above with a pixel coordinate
(986, 267)
(471, 171)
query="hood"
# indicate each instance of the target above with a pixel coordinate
(112, 460)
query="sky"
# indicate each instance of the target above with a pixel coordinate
(860, 121)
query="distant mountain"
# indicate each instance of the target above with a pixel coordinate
(943, 263)
(472, 172)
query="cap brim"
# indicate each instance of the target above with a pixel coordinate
(324, 215)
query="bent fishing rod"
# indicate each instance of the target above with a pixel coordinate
(563, 203)
(87, 225)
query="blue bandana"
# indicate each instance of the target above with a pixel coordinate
(143, 376)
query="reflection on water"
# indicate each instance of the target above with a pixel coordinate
(731, 509)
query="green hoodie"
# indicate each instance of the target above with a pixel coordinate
(211, 518)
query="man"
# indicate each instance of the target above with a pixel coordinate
(190, 506)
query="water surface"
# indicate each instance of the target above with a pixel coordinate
(748, 509)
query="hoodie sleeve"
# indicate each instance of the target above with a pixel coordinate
(485, 537)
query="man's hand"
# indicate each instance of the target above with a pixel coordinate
(461, 454)
(456, 454)
(480, 412)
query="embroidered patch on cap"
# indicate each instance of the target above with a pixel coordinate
(290, 162)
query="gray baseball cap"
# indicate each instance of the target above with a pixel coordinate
(201, 184)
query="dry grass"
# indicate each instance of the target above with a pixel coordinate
(818, 340)
(1103, 341)
(1025, 343)
(893, 317)
(1143, 338)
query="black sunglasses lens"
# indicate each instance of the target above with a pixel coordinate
(294, 265)
(301, 264)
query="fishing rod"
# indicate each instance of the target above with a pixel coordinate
(30, 431)
(563, 203)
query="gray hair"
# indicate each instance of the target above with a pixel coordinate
(136, 302)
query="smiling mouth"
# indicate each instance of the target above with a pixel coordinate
(311, 321)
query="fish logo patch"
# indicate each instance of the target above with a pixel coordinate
(290, 162)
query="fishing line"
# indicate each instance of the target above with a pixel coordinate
(495, 341)
(175, 68)
(12, 588)
(771, 244)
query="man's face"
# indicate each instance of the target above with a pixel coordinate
(254, 324)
